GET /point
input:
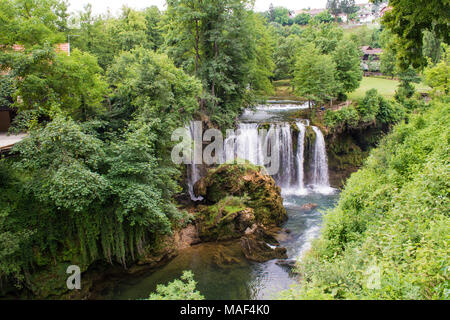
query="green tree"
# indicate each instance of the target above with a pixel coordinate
(348, 7)
(409, 19)
(263, 65)
(325, 36)
(28, 22)
(407, 79)
(148, 83)
(48, 82)
(214, 41)
(324, 17)
(334, 7)
(438, 76)
(279, 15)
(314, 75)
(92, 36)
(347, 58)
(107, 36)
(183, 289)
(302, 19)
(432, 47)
(285, 56)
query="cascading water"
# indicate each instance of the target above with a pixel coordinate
(287, 169)
(193, 169)
(319, 164)
(301, 157)
(249, 143)
(194, 176)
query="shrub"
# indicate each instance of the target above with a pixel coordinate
(182, 289)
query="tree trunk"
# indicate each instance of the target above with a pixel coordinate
(197, 41)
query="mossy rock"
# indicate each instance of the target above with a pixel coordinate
(226, 220)
(251, 184)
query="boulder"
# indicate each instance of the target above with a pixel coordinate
(260, 246)
(309, 207)
(228, 219)
(256, 249)
(251, 184)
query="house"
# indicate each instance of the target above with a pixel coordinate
(369, 52)
(385, 9)
(365, 13)
(371, 58)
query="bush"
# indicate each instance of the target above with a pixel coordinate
(346, 117)
(372, 108)
(183, 289)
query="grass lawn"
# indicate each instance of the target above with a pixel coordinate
(385, 87)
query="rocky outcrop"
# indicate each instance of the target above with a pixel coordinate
(226, 220)
(260, 246)
(241, 202)
(257, 190)
(309, 206)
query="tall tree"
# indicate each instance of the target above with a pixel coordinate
(214, 40)
(47, 82)
(438, 76)
(334, 7)
(408, 19)
(347, 58)
(314, 75)
(349, 7)
(32, 22)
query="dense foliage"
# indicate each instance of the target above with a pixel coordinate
(373, 110)
(94, 181)
(326, 65)
(220, 42)
(392, 221)
(409, 19)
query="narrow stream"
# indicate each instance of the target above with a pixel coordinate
(221, 270)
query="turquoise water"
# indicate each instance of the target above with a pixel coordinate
(235, 278)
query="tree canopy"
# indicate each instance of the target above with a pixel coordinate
(409, 19)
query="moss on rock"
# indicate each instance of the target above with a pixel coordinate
(255, 189)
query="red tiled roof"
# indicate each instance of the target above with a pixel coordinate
(63, 47)
(384, 10)
(370, 50)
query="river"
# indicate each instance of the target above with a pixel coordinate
(221, 270)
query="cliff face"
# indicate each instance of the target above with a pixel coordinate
(347, 151)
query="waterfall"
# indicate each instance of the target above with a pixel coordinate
(301, 156)
(320, 162)
(284, 178)
(193, 169)
(248, 143)
(193, 177)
